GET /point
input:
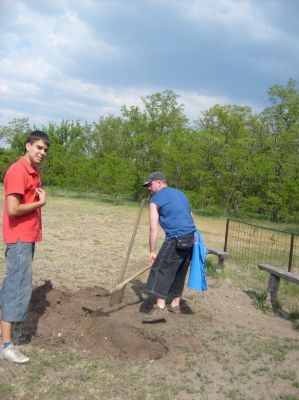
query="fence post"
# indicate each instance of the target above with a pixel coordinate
(226, 235)
(291, 253)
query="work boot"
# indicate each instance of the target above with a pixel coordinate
(156, 314)
(174, 309)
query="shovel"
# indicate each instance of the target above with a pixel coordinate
(124, 266)
(121, 277)
(118, 291)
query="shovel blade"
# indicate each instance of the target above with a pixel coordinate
(117, 297)
(102, 291)
(117, 293)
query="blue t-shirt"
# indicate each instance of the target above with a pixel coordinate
(174, 212)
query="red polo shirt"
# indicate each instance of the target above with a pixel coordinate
(22, 179)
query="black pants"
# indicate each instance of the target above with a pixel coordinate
(168, 273)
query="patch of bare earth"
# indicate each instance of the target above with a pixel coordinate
(84, 320)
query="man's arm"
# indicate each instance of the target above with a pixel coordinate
(16, 209)
(154, 220)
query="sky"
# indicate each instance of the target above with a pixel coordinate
(82, 60)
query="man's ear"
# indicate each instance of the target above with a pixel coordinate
(27, 146)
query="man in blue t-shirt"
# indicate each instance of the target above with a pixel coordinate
(170, 208)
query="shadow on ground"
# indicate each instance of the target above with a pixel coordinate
(23, 331)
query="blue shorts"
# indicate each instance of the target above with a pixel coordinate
(168, 273)
(16, 290)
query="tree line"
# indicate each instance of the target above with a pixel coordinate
(230, 160)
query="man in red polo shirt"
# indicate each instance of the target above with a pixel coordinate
(22, 228)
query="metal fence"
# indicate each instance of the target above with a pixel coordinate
(252, 244)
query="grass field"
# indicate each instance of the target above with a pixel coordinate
(222, 347)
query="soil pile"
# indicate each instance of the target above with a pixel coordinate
(83, 319)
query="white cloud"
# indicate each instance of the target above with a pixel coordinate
(237, 17)
(71, 34)
(57, 96)
(56, 38)
(27, 69)
(8, 114)
(61, 59)
(75, 99)
(17, 87)
(195, 103)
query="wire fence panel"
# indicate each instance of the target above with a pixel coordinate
(252, 244)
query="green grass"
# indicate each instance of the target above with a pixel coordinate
(211, 268)
(85, 195)
(295, 318)
(289, 288)
(235, 394)
(256, 281)
(5, 389)
(260, 302)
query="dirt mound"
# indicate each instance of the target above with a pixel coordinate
(83, 319)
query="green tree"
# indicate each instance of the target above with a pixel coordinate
(14, 134)
(149, 132)
(281, 120)
(116, 176)
(67, 161)
(227, 154)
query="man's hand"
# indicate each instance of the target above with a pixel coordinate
(41, 195)
(152, 257)
(16, 209)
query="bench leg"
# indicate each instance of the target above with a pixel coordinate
(219, 265)
(272, 291)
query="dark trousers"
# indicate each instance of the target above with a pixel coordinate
(168, 273)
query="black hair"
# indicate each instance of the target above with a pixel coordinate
(38, 135)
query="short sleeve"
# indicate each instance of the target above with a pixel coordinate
(158, 199)
(14, 182)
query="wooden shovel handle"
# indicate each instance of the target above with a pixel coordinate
(122, 284)
(123, 270)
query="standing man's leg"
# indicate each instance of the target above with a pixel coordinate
(166, 270)
(15, 295)
(177, 286)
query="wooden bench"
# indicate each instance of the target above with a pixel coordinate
(275, 275)
(222, 255)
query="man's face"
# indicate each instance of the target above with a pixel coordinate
(153, 187)
(36, 152)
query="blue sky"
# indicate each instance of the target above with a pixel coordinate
(79, 60)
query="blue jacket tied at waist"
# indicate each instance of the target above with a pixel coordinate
(197, 275)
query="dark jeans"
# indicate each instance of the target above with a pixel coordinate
(168, 273)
